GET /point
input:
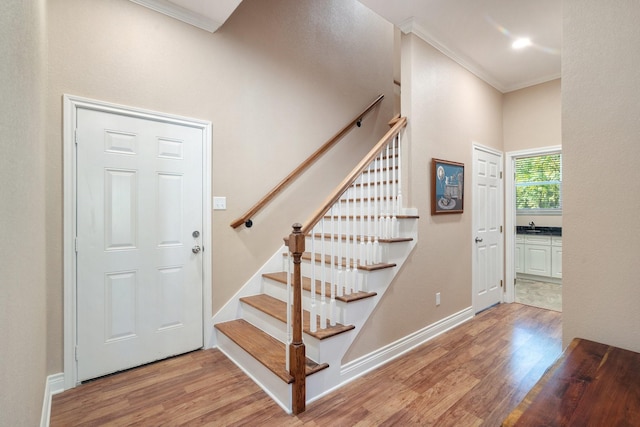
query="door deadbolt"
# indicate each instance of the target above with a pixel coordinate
(195, 234)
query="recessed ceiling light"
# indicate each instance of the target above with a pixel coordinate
(521, 43)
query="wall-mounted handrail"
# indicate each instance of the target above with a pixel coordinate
(353, 175)
(246, 217)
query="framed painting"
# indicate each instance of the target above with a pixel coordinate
(447, 187)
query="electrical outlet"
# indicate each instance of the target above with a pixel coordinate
(219, 203)
(437, 298)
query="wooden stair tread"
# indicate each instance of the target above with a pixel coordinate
(359, 238)
(373, 267)
(278, 310)
(281, 277)
(264, 348)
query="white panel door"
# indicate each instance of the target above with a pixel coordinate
(139, 201)
(487, 227)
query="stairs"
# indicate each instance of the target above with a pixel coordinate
(252, 327)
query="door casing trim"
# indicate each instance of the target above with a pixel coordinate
(510, 212)
(71, 104)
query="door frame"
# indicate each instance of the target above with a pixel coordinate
(474, 268)
(510, 212)
(70, 108)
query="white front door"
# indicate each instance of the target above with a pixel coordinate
(139, 208)
(487, 228)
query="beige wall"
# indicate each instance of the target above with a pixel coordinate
(276, 81)
(600, 131)
(448, 109)
(532, 119)
(22, 212)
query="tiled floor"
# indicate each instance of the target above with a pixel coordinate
(539, 294)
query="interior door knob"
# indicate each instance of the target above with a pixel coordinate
(195, 249)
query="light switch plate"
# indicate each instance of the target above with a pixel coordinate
(219, 203)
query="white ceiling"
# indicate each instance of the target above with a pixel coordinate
(475, 33)
(478, 35)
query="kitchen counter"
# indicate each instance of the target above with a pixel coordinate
(539, 231)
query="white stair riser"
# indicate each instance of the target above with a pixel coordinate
(356, 226)
(279, 291)
(278, 330)
(279, 390)
(386, 188)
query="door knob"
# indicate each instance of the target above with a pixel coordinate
(478, 239)
(195, 249)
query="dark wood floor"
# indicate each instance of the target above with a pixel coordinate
(473, 375)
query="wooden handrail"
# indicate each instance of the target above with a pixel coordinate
(353, 175)
(246, 217)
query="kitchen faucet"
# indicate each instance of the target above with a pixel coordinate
(532, 225)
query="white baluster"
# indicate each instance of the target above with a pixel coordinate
(323, 281)
(399, 201)
(332, 303)
(347, 250)
(340, 278)
(369, 231)
(313, 311)
(354, 242)
(387, 218)
(289, 307)
(394, 205)
(376, 213)
(363, 244)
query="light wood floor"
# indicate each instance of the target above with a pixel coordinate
(473, 375)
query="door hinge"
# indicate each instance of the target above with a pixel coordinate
(75, 136)
(500, 283)
(76, 244)
(514, 281)
(75, 351)
(501, 229)
(500, 174)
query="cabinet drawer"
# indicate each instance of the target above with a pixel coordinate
(519, 238)
(537, 240)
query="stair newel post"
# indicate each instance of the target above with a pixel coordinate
(297, 350)
(394, 200)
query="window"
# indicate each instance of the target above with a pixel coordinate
(539, 184)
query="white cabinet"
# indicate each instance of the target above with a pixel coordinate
(539, 255)
(519, 258)
(556, 257)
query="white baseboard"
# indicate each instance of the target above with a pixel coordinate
(371, 361)
(54, 385)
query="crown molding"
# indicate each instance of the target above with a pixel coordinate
(182, 14)
(411, 26)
